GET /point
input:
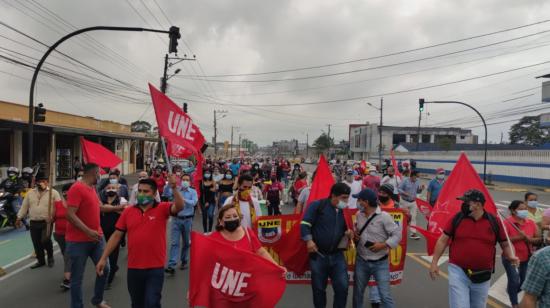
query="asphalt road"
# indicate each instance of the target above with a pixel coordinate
(23, 287)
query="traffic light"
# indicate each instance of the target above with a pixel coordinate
(39, 113)
(421, 104)
(174, 36)
(185, 107)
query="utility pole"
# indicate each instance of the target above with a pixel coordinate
(329, 143)
(380, 150)
(240, 136)
(418, 132)
(223, 112)
(231, 144)
(307, 145)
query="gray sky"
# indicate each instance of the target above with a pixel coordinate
(246, 37)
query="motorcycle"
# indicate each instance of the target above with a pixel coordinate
(7, 214)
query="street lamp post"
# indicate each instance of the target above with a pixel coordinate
(52, 48)
(381, 109)
(421, 103)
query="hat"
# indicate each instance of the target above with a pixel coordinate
(41, 177)
(367, 195)
(372, 168)
(349, 172)
(439, 170)
(473, 195)
(387, 188)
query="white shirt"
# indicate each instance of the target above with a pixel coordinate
(245, 210)
(394, 181)
(355, 187)
(133, 195)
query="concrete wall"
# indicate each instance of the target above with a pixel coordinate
(526, 167)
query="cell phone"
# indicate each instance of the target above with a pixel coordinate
(368, 244)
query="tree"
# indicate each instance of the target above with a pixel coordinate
(141, 126)
(528, 131)
(323, 143)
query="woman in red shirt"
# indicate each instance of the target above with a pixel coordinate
(230, 231)
(59, 235)
(523, 234)
(299, 184)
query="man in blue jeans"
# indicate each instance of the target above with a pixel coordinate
(181, 224)
(145, 224)
(323, 228)
(84, 236)
(375, 234)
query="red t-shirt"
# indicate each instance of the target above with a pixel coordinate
(60, 218)
(372, 182)
(523, 249)
(250, 245)
(161, 181)
(84, 198)
(146, 235)
(299, 185)
(473, 244)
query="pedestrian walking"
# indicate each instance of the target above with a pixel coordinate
(225, 187)
(84, 236)
(537, 281)
(323, 228)
(535, 213)
(244, 202)
(145, 226)
(375, 234)
(372, 180)
(408, 189)
(142, 175)
(182, 223)
(40, 212)
(474, 234)
(394, 180)
(209, 190)
(273, 194)
(435, 186)
(60, 229)
(386, 196)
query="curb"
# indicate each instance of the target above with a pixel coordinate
(508, 189)
(2, 271)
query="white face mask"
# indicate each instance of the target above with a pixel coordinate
(341, 204)
(533, 204)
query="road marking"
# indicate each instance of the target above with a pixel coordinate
(26, 257)
(490, 301)
(442, 259)
(22, 268)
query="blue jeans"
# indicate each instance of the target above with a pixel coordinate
(208, 216)
(333, 266)
(463, 293)
(516, 276)
(79, 252)
(179, 227)
(145, 287)
(381, 272)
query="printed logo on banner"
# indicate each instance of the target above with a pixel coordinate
(269, 231)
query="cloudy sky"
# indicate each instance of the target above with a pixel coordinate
(284, 69)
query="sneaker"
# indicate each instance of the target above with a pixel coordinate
(66, 284)
(184, 267)
(37, 265)
(415, 236)
(51, 262)
(169, 270)
(375, 305)
(103, 304)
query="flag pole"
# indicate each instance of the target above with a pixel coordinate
(507, 236)
(168, 165)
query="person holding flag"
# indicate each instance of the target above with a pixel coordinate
(474, 233)
(323, 228)
(145, 225)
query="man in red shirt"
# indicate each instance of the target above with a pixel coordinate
(474, 234)
(84, 236)
(145, 224)
(372, 180)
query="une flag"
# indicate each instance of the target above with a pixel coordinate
(463, 177)
(322, 183)
(174, 124)
(96, 153)
(394, 165)
(424, 207)
(224, 276)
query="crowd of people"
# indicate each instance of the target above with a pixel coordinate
(94, 217)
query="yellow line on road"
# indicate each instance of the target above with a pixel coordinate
(415, 257)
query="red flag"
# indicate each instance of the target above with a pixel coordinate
(394, 165)
(223, 276)
(463, 177)
(96, 153)
(431, 239)
(363, 165)
(424, 207)
(348, 217)
(322, 183)
(291, 248)
(174, 124)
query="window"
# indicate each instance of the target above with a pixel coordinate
(399, 138)
(462, 137)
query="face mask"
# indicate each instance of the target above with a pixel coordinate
(185, 184)
(13, 177)
(373, 173)
(111, 193)
(178, 173)
(207, 175)
(231, 225)
(228, 176)
(79, 178)
(383, 199)
(533, 204)
(144, 200)
(522, 214)
(113, 181)
(341, 205)
(465, 209)
(244, 194)
(360, 207)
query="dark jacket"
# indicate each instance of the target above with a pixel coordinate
(324, 224)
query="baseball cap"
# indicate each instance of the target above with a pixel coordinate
(473, 195)
(367, 195)
(439, 170)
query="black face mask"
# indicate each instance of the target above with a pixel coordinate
(111, 193)
(465, 208)
(231, 225)
(383, 199)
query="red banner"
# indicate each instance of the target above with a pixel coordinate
(224, 276)
(424, 207)
(96, 153)
(276, 233)
(394, 165)
(175, 125)
(322, 183)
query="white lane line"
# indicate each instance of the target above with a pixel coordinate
(498, 291)
(26, 257)
(23, 268)
(442, 260)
